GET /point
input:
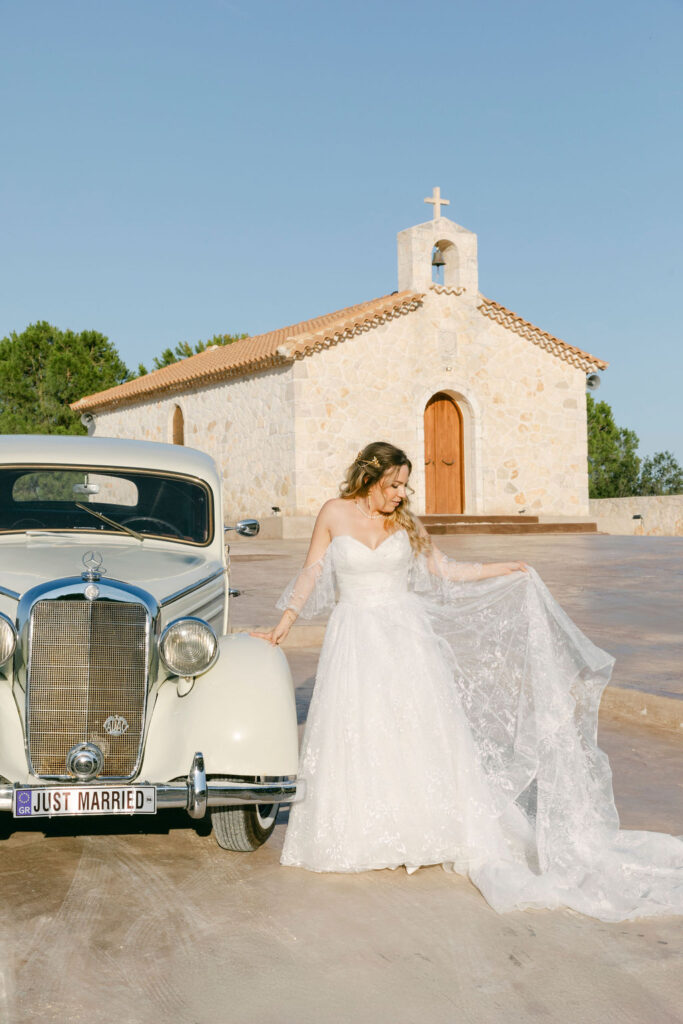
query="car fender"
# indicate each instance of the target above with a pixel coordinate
(13, 764)
(241, 715)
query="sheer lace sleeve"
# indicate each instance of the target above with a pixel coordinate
(311, 591)
(434, 572)
(448, 569)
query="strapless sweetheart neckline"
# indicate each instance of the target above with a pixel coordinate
(349, 536)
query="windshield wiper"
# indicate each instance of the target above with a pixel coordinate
(110, 522)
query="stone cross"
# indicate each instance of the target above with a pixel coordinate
(437, 201)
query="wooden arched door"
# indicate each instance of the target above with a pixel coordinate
(444, 471)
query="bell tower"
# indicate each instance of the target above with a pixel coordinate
(456, 247)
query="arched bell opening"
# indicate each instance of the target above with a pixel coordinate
(445, 264)
(444, 456)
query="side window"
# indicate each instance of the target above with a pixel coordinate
(178, 426)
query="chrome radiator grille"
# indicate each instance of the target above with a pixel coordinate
(87, 664)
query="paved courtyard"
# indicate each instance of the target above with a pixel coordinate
(626, 593)
(142, 922)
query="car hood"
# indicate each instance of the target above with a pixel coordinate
(161, 569)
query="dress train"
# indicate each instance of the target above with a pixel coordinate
(454, 722)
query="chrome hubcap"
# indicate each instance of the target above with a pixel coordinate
(84, 761)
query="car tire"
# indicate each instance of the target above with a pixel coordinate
(242, 828)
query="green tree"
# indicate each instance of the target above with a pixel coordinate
(44, 369)
(613, 462)
(615, 470)
(183, 350)
(661, 474)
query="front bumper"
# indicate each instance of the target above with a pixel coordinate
(195, 794)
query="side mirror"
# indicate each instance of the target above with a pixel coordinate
(245, 527)
(248, 527)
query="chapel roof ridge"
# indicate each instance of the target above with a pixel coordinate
(284, 345)
(562, 349)
(260, 352)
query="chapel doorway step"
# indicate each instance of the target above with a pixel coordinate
(450, 524)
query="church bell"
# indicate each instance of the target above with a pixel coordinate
(437, 258)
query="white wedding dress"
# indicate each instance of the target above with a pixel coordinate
(454, 722)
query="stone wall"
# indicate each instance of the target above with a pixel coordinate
(662, 516)
(284, 437)
(246, 425)
(523, 409)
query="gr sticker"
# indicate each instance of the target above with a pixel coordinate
(23, 803)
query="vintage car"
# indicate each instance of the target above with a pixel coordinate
(121, 689)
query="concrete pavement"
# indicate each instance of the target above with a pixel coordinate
(146, 922)
(142, 921)
(626, 594)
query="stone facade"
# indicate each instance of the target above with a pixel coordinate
(284, 436)
(246, 425)
(523, 409)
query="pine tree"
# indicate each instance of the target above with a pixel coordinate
(44, 369)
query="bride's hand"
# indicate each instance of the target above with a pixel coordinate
(278, 633)
(510, 567)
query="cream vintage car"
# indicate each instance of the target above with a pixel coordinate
(121, 689)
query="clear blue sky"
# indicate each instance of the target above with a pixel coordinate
(171, 170)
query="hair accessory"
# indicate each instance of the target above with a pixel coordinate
(374, 461)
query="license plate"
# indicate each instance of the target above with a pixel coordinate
(49, 802)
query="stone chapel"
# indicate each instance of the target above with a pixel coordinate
(490, 409)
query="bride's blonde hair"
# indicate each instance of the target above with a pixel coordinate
(373, 464)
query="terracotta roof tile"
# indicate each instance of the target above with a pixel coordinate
(506, 318)
(276, 348)
(283, 346)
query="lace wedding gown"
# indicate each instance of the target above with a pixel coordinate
(454, 722)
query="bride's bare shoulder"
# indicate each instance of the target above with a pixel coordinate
(333, 511)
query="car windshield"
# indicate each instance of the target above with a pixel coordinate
(139, 502)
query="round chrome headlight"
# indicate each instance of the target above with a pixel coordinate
(188, 647)
(8, 638)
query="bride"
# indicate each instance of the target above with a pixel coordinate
(454, 720)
